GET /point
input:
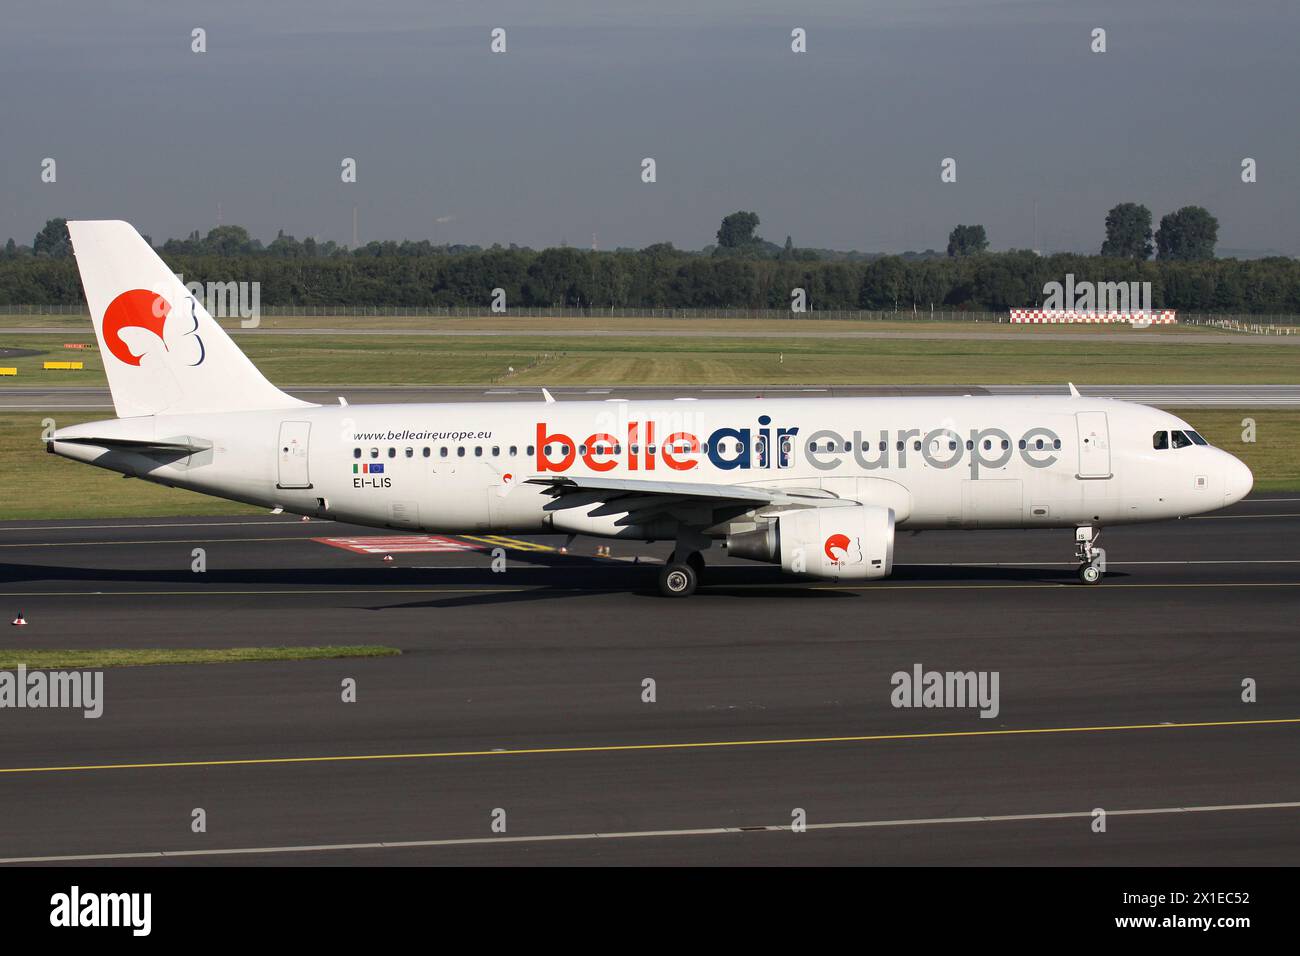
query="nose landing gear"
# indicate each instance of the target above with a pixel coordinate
(1092, 559)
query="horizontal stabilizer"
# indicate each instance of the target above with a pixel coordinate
(134, 445)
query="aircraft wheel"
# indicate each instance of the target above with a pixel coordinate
(677, 580)
(1089, 574)
(694, 559)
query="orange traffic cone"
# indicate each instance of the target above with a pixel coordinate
(19, 621)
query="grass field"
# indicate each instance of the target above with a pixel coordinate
(997, 359)
(35, 485)
(34, 659)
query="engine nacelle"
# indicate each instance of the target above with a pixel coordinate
(853, 543)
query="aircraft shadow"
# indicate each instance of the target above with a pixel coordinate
(538, 577)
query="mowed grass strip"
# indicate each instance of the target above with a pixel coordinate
(631, 359)
(37, 659)
(634, 360)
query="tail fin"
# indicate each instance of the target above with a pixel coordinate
(163, 353)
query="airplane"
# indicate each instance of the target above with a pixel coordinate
(820, 486)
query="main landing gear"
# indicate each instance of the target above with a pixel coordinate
(1092, 559)
(679, 578)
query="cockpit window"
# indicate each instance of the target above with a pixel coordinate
(1180, 440)
(1160, 441)
(1196, 437)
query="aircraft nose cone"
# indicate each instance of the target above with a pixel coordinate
(1237, 482)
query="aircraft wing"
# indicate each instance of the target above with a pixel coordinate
(750, 495)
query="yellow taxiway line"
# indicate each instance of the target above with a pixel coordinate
(624, 748)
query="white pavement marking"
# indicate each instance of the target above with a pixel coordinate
(1239, 517)
(643, 834)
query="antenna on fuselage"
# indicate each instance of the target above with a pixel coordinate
(547, 395)
(1074, 392)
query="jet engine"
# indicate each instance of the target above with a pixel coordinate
(853, 543)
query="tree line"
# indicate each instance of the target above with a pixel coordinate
(737, 273)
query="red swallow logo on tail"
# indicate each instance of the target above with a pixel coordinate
(135, 309)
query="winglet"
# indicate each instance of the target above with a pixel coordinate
(547, 395)
(1074, 392)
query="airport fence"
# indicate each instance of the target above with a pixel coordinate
(1279, 324)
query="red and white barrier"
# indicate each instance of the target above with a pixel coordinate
(1053, 316)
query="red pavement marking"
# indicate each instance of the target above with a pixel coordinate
(401, 544)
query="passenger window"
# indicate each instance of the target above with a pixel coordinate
(1180, 440)
(442, 452)
(1056, 443)
(546, 450)
(426, 451)
(392, 453)
(916, 446)
(514, 450)
(495, 451)
(1160, 441)
(374, 453)
(882, 446)
(410, 453)
(1022, 444)
(356, 453)
(530, 449)
(478, 451)
(460, 451)
(618, 449)
(582, 449)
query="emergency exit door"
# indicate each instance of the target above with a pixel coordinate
(292, 452)
(1094, 445)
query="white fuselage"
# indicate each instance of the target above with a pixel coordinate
(953, 462)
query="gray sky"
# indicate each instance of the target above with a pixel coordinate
(839, 147)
